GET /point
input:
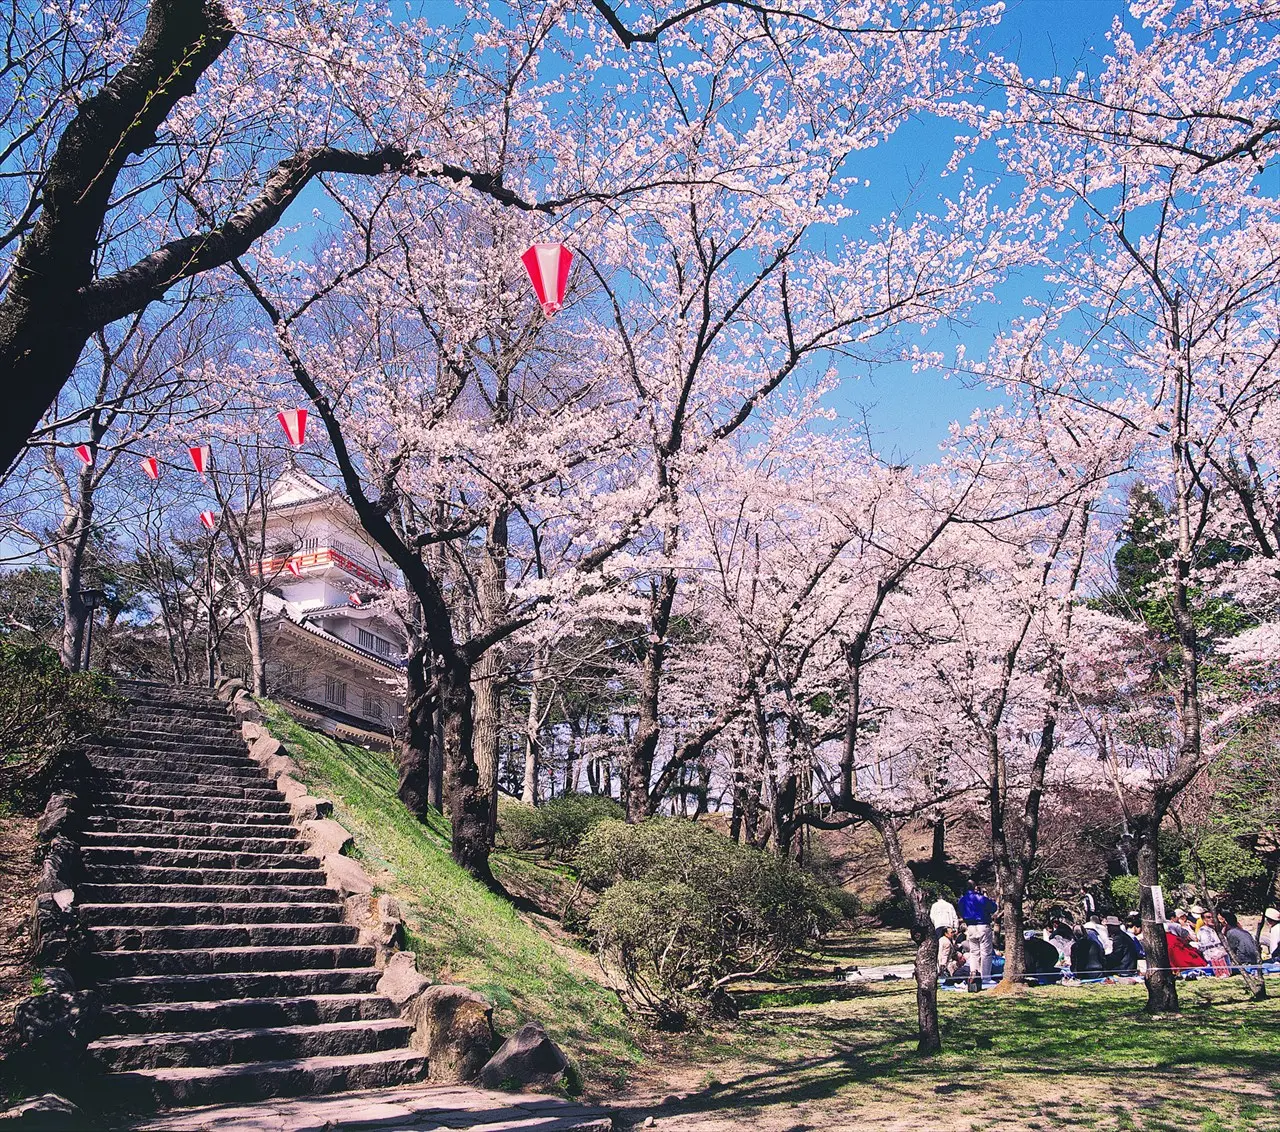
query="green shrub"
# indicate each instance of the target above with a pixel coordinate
(1228, 865)
(684, 912)
(557, 826)
(1124, 893)
(43, 709)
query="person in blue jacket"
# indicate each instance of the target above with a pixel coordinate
(978, 910)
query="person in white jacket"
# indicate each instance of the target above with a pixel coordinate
(943, 914)
(1271, 933)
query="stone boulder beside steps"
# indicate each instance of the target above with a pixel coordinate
(529, 1058)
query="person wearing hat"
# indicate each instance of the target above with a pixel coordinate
(1122, 959)
(1180, 924)
(1271, 918)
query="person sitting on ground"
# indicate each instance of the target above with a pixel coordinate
(1086, 955)
(1133, 925)
(1060, 937)
(1122, 959)
(951, 961)
(1095, 927)
(1241, 946)
(1271, 926)
(1041, 956)
(1180, 924)
(1183, 955)
(1211, 945)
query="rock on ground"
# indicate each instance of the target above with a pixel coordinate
(528, 1057)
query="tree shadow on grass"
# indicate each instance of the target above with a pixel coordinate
(1000, 1045)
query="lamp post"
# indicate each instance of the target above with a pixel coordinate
(92, 600)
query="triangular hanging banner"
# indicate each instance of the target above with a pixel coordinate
(294, 423)
(293, 567)
(354, 599)
(201, 457)
(150, 467)
(209, 519)
(86, 456)
(548, 267)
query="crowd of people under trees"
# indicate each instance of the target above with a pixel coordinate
(1086, 945)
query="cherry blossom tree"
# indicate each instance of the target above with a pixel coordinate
(1165, 297)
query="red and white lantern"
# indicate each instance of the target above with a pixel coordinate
(548, 268)
(86, 456)
(293, 567)
(150, 467)
(201, 457)
(209, 519)
(294, 423)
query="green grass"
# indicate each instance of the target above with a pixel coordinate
(459, 930)
(1047, 1058)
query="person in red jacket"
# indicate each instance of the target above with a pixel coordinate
(1182, 956)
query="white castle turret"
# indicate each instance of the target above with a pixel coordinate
(334, 650)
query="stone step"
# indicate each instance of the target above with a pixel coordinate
(205, 813)
(224, 1047)
(96, 823)
(177, 875)
(152, 717)
(204, 894)
(238, 984)
(218, 748)
(257, 1080)
(153, 770)
(221, 960)
(184, 936)
(242, 1013)
(196, 858)
(262, 805)
(272, 841)
(141, 788)
(207, 915)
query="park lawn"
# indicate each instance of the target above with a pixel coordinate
(1048, 1058)
(460, 931)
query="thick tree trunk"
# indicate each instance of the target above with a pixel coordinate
(487, 707)
(468, 800)
(1013, 921)
(784, 804)
(1162, 985)
(929, 1039)
(938, 850)
(486, 689)
(75, 614)
(413, 759)
(253, 643)
(644, 743)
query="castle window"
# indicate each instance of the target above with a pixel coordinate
(384, 647)
(335, 691)
(365, 639)
(372, 705)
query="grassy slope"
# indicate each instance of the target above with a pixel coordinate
(461, 932)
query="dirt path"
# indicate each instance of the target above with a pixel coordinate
(18, 874)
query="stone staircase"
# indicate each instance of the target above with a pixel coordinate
(220, 956)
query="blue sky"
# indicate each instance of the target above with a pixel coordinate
(910, 412)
